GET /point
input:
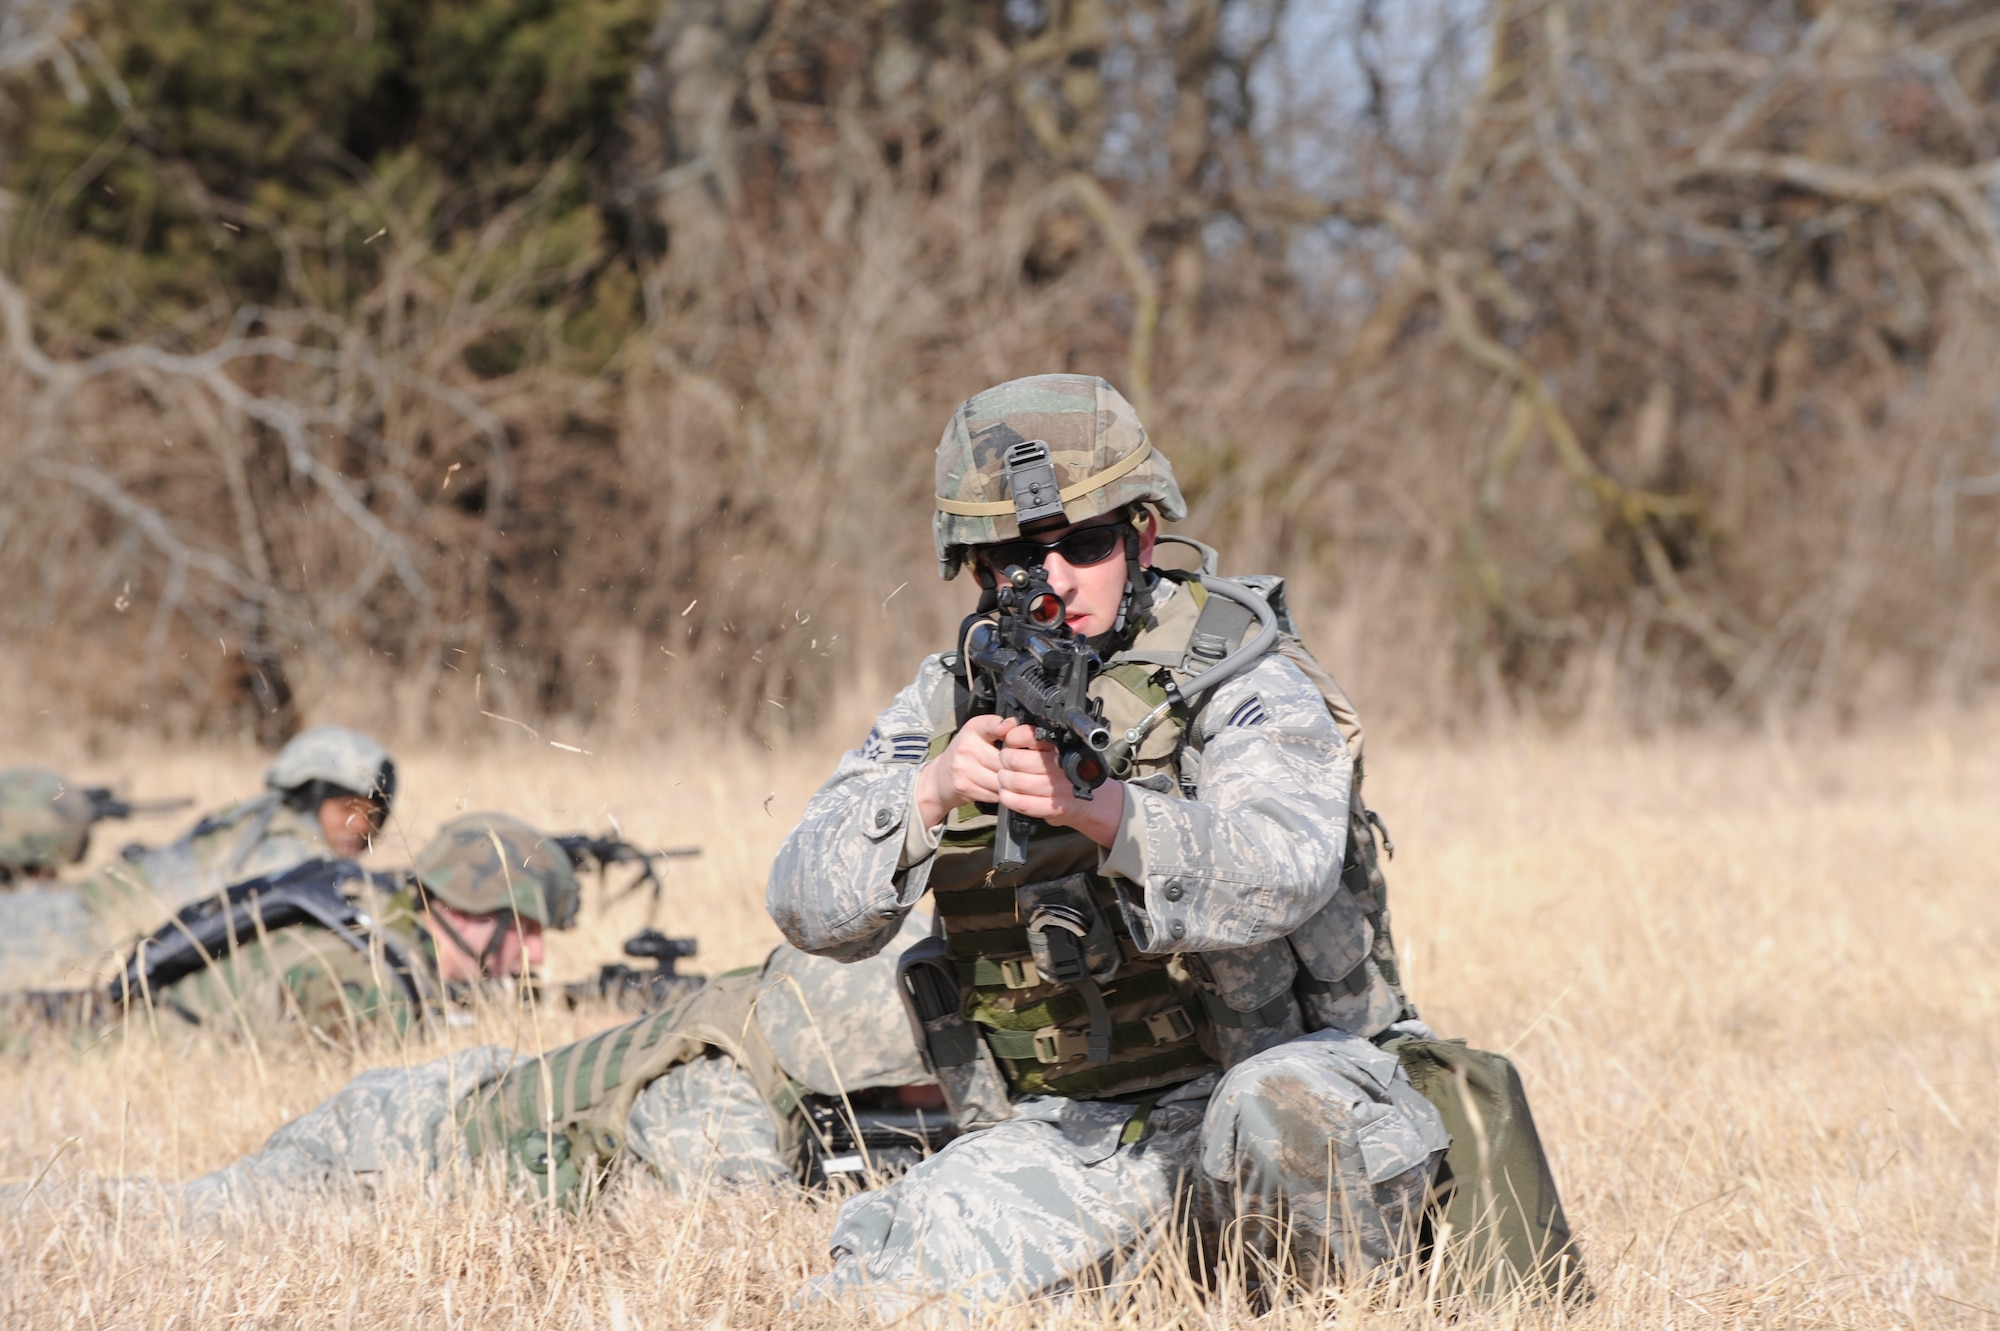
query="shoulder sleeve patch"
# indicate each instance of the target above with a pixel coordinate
(1249, 712)
(909, 747)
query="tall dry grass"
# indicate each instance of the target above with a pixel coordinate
(1752, 984)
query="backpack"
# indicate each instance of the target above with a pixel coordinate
(1495, 1223)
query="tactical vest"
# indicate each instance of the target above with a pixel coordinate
(560, 1120)
(1045, 960)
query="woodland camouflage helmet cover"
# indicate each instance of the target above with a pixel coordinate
(44, 822)
(483, 863)
(1101, 457)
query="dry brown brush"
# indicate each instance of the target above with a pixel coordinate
(1610, 360)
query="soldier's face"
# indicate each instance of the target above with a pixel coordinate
(348, 824)
(517, 951)
(1090, 592)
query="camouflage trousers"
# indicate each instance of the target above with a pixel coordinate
(1313, 1158)
(700, 1123)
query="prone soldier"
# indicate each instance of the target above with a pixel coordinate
(45, 826)
(327, 794)
(792, 1070)
(338, 950)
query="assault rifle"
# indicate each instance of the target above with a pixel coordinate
(632, 989)
(584, 850)
(203, 932)
(1029, 666)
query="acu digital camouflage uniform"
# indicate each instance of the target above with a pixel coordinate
(269, 834)
(1238, 939)
(707, 1092)
(479, 863)
(44, 827)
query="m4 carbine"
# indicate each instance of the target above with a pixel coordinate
(1028, 665)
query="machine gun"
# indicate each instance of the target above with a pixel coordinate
(1029, 666)
(203, 932)
(602, 852)
(105, 804)
(632, 989)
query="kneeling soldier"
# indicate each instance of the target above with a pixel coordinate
(1173, 989)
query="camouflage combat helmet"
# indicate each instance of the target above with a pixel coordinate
(483, 863)
(44, 822)
(836, 1029)
(1093, 458)
(328, 760)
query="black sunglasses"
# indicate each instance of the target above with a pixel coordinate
(1080, 548)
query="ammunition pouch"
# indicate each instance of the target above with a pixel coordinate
(1072, 945)
(953, 1052)
(1247, 997)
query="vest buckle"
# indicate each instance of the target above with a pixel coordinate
(1054, 1045)
(1169, 1026)
(1019, 973)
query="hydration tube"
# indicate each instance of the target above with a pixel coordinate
(1232, 665)
(1119, 756)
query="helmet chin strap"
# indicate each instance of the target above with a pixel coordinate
(484, 957)
(1135, 606)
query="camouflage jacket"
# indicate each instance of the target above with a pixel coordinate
(1245, 849)
(248, 840)
(305, 977)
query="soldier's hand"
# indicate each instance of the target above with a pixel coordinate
(967, 772)
(1032, 784)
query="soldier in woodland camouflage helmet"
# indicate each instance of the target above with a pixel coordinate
(44, 824)
(473, 907)
(490, 884)
(716, 1090)
(1094, 462)
(1183, 994)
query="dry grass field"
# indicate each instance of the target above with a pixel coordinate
(1752, 983)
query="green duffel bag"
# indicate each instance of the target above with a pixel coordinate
(1497, 1225)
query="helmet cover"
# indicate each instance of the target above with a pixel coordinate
(1101, 458)
(44, 821)
(338, 757)
(484, 863)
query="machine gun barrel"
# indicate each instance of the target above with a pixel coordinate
(104, 803)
